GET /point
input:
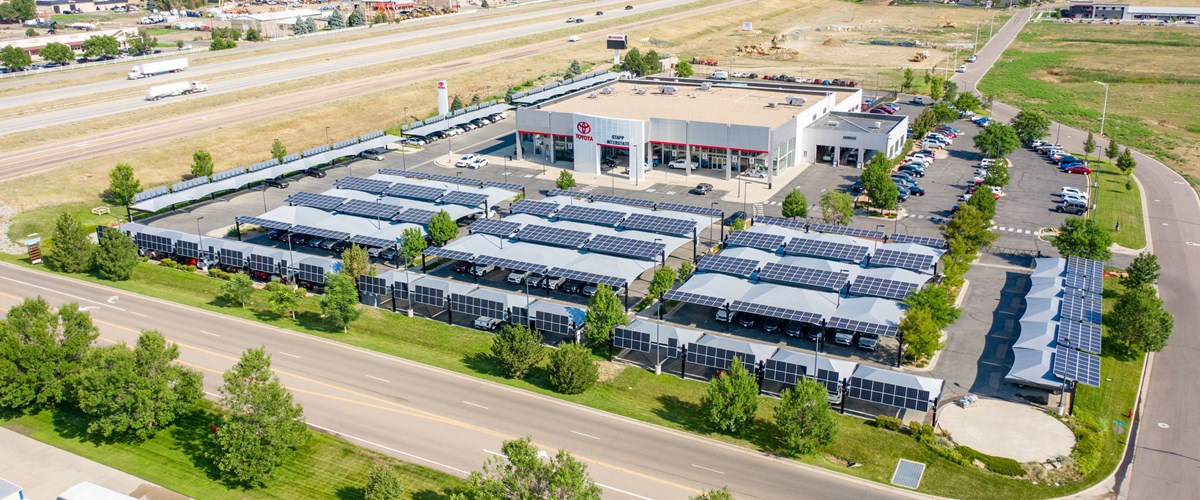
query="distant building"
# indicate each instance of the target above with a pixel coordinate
(83, 6)
(1088, 9)
(35, 44)
(275, 24)
(392, 6)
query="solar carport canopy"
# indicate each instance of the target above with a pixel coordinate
(718, 352)
(897, 389)
(487, 247)
(868, 315)
(647, 336)
(787, 367)
(710, 289)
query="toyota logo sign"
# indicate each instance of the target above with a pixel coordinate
(584, 128)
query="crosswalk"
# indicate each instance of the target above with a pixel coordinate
(758, 209)
(1015, 230)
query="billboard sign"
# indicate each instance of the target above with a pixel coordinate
(618, 42)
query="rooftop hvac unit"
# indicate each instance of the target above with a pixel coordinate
(833, 123)
(692, 95)
(639, 91)
(772, 104)
(606, 90)
(593, 95)
(705, 86)
(879, 125)
(795, 101)
(667, 89)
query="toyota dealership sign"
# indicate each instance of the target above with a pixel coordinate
(583, 131)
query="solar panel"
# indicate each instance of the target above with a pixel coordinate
(494, 227)
(1079, 366)
(766, 241)
(373, 186)
(846, 230)
(404, 173)
(520, 316)
(570, 194)
(372, 209)
(1084, 283)
(734, 266)
(1080, 336)
(781, 222)
(420, 193)
(802, 276)
(854, 325)
(186, 249)
(229, 257)
(689, 209)
(454, 179)
(826, 249)
(716, 357)
(919, 240)
(514, 265)
(590, 215)
(880, 287)
(559, 324)
(262, 263)
(466, 199)
(430, 296)
(904, 260)
(328, 234)
(314, 200)
(625, 338)
(586, 277)
(372, 284)
(694, 298)
(912, 398)
(626, 247)
(1079, 309)
(1087, 267)
(448, 253)
(661, 225)
(553, 236)
(371, 241)
(477, 306)
(311, 273)
(267, 223)
(784, 373)
(775, 312)
(621, 200)
(531, 207)
(507, 186)
(416, 216)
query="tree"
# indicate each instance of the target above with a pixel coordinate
(135, 393)
(942, 113)
(222, 43)
(968, 102)
(1083, 238)
(565, 180)
(521, 473)
(284, 299)
(1125, 162)
(336, 21)
(253, 35)
(949, 90)
(485, 5)
(635, 63)
(985, 202)
(144, 43)
(70, 247)
(804, 417)
(651, 60)
(1089, 145)
(877, 181)
(574, 69)
(357, 18)
(731, 400)
(412, 244)
(739, 224)
(310, 26)
(517, 350)
(356, 262)
(837, 207)
(1030, 125)
(1139, 320)
(939, 301)
(1113, 151)
(604, 313)
(339, 304)
(662, 282)
(382, 483)
(122, 185)
(300, 27)
(14, 59)
(989, 100)
(970, 227)
(60, 53)
(685, 269)
(278, 151)
(997, 140)
(19, 11)
(202, 164)
(907, 85)
(683, 69)
(795, 205)
(262, 425)
(457, 104)
(116, 256)
(442, 228)
(31, 32)
(238, 288)
(572, 369)
(920, 333)
(41, 353)
(721, 494)
(937, 88)
(997, 175)
(1144, 270)
(98, 46)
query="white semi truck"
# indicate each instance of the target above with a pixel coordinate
(157, 68)
(173, 89)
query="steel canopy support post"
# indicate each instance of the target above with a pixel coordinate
(449, 313)
(695, 245)
(238, 226)
(842, 390)
(935, 407)
(900, 349)
(627, 298)
(394, 299)
(683, 362)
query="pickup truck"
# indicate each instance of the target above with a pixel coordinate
(486, 323)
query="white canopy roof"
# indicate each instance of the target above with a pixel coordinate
(1041, 309)
(1033, 367)
(1038, 335)
(871, 310)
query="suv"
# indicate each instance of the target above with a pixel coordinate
(1073, 207)
(553, 283)
(373, 154)
(482, 270)
(534, 279)
(725, 315)
(771, 325)
(794, 329)
(747, 320)
(314, 172)
(868, 341)
(517, 277)
(276, 182)
(843, 338)
(462, 266)
(572, 286)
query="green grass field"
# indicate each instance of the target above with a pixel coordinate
(1115, 203)
(633, 392)
(325, 467)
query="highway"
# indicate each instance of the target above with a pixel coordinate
(1165, 455)
(440, 419)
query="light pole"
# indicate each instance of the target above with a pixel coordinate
(712, 220)
(264, 192)
(878, 227)
(458, 185)
(199, 239)
(1104, 111)
(327, 136)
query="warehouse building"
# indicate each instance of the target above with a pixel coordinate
(1087, 9)
(726, 129)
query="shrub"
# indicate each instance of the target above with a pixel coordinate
(999, 465)
(189, 268)
(168, 263)
(923, 433)
(1087, 452)
(950, 454)
(217, 273)
(572, 369)
(889, 423)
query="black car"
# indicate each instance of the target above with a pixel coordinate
(702, 188)
(747, 320)
(388, 254)
(462, 266)
(856, 188)
(314, 172)
(735, 216)
(437, 135)
(794, 329)
(608, 162)
(340, 246)
(572, 286)
(278, 182)
(771, 325)
(599, 13)
(628, 7)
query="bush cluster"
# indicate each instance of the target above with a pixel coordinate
(171, 264)
(889, 423)
(1089, 446)
(219, 274)
(923, 433)
(999, 465)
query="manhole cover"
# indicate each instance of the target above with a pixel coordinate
(1163, 425)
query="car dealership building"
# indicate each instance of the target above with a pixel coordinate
(726, 128)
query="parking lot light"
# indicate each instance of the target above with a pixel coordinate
(1104, 110)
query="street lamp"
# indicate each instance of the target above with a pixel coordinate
(879, 227)
(1104, 111)
(199, 239)
(458, 185)
(711, 222)
(264, 192)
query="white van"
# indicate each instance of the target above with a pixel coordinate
(719, 75)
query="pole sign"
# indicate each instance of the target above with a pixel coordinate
(34, 244)
(618, 42)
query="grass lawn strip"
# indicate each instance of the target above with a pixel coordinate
(1114, 203)
(636, 393)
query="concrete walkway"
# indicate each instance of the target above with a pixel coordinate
(1006, 429)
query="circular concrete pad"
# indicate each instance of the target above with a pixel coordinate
(1006, 429)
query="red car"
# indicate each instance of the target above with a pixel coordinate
(947, 133)
(1080, 169)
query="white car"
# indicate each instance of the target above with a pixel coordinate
(486, 323)
(682, 164)
(925, 161)
(517, 277)
(466, 160)
(920, 157)
(962, 69)
(1070, 191)
(996, 190)
(1073, 198)
(573, 38)
(478, 163)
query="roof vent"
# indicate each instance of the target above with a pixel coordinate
(878, 125)
(772, 104)
(593, 95)
(639, 91)
(705, 86)
(668, 89)
(606, 90)
(795, 101)
(833, 123)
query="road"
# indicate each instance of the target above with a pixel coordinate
(64, 106)
(436, 418)
(1165, 452)
(48, 156)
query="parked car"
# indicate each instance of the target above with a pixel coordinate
(482, 270)
(1070, 191)
(517, 277)
(868, 341)
(1074, 207)
(277, 182)
(487, 324)
(314, 172)
(962, 69)
(1079, 169)
(918, 100)
(735, 216)
(843, 338)
(388, 254)
(771, 325)
(589, 290)
(373, 154)
(725, 315)
(572, 286)
(702, 188)
(682, 164)
(553, 283)
(478, 163)
(462, 266)
(794, 329)
(534, 279)
(465, 160)
(972, 58)
(315, 242)
(912, 170)
(747, 320)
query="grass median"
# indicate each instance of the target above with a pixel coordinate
(1118, 200)
(664, 400)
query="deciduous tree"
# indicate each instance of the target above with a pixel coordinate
(71, 245)
(442, 228)
(572, 369)
(971, 227)
(98, 46)
(997, 175)
(60, 53)
(412, 244)
(238, 288)
(795, 204)
(19, 11)
(731, 400)
(339, 304)
(356, 262)
(938, 300)
(517, 350)
(968, 102)
(907, 85)
(663, 281)
(937, 88)
(1030, 125)
(720, 494)
(261, 424)
(949, 90)
(521, 473)
(565, 180)
(41, 353)
(1140, 321)
(1144, 270)
(382, 483)
(997, 140)
(604, 313)
(284, 299)
(1083, 238)
(202, 164)
(278, 151)
(877, 181)
(837, 207)
(921, 335)
(116, 256)
(122, 185)
(985, 201)
(683, 69)
(804, 418)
